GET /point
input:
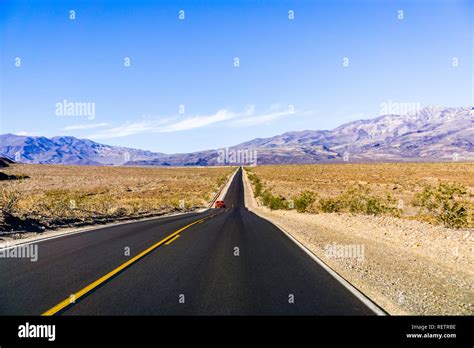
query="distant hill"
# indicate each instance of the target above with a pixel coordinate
(67, 150)
(433, 134)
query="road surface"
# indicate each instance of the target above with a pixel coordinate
(224, 262)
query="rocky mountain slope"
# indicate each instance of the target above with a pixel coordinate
(433, 134)
(67, 150)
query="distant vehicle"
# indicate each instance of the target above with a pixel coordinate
(220, 204)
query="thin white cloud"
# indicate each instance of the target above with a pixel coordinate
(198, 121)
(128, 128)
(85, 126)
(261, 119)
(25, 134)
(167, 125)
(273, 113)
(177, 124)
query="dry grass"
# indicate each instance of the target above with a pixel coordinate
(55, 194)
(401, 181)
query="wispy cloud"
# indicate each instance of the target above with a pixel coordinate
(273, 113)
(255, 120)
(25, 134)
(85, 126)
(129, 128)
(198, 121)
(248, 117)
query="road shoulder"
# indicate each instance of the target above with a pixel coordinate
(393, 272)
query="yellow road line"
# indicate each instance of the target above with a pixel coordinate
(63, 304)
(172, 240)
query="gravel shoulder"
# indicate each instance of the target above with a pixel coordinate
(408, 267)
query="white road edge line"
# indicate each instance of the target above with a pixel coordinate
(357, 293)
(368, 302)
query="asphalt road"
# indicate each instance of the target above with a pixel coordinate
(231, 263)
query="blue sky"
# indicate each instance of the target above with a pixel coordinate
(291, 74)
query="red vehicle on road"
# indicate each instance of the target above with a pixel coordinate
(220, 204)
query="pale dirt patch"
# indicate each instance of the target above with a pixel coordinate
(409, 267)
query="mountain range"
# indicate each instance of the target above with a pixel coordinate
(432, 134)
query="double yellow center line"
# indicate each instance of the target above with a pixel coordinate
(74, 297)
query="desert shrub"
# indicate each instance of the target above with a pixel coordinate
(102, 204)
(374, 206)
(445, 203)
(304, 201)
(273, 202)
(257, 184)
(120, 211)
(221, 181)
(266, 196)
(9, 200)
(358, 200)
(58, 203)
(330, 205)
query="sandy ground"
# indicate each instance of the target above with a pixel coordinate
(8, 240)
(406, 267)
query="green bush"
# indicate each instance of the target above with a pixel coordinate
(304, 201)
(257, 184)
(358, 200)
(267, 198)
(9, 200)
(330, 205)
(221, 181)
(273, 202)
(445, 203)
